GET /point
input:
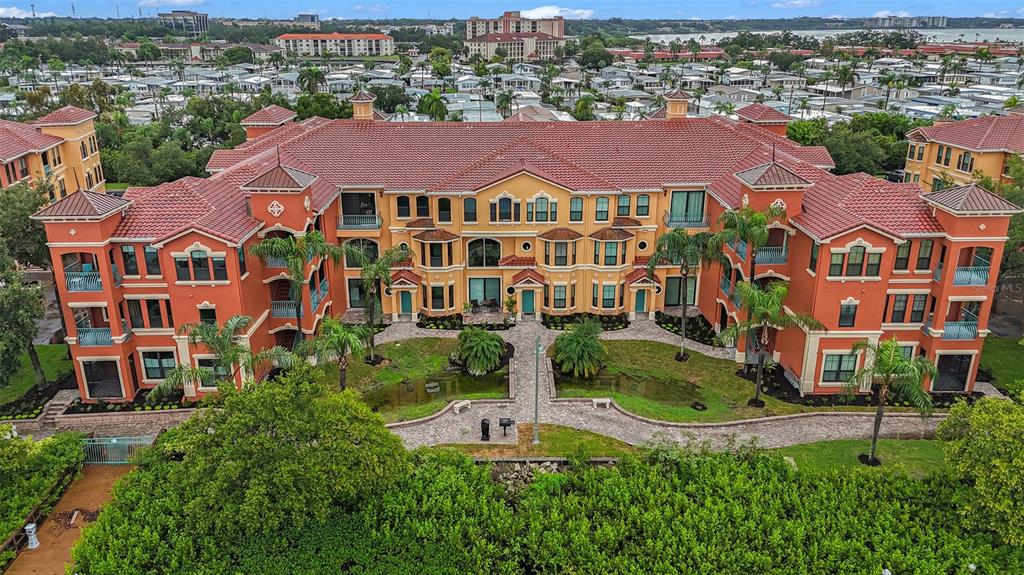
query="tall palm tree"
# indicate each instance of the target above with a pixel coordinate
(846, 75)
(311, 78)
(725, 108)
(337, 342)
(887, 368)
(231, 355)
(276, 59)
(689, 252)
(432, 104)
(504, 102)
(298, 252)
(750, 226)
(375, 273)
(401, 111)
(765, 311)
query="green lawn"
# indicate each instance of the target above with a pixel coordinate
(55, 365)
(918, 457)
(115, 186)
(411, 360)
(709, 380)
(555, 441)
(1004, 357)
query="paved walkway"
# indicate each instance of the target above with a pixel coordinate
(450, 427)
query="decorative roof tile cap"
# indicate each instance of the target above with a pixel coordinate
(624, 222)
(362, 96)
(435, 236)
(611, 234)
(771, 175)
(281, 178)
(560, 235)
(971, 198)
(676, 94)
(82, 204)
(420, 224)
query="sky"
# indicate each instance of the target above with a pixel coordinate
(486, 8)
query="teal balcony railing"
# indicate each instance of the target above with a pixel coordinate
(960, 330)
(285, 308)
(685, 220)
(725, 284)
(91, 336)
(740, 247)
(772, 255)
(83, 281)
(970, 276)
(318, 294)
(359, 222)
(276, 262)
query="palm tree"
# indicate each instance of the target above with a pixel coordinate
(725, 108)
(298, 252)
(765, 311)
(480, 350)
(1011, 102)
(432, 104)
(889, 369)
(504, 102)
(231, 355)
(580, 350)
(310, 78)
(374, 273)
(748, 225)
(584, 109)
(401, 111)
(688, 251)
(336, 342)
(276, 59)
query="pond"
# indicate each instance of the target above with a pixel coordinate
(669, 391)
(437, 387)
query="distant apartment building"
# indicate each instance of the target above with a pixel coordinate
(513, 23)
(61, 146)
(189, 23)
(444, 29)
(199, 51)
(337, 43)
(518, 46)
(948, 154)
(308, 21)
(909, 22)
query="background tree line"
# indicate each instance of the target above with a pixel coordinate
(873, 143)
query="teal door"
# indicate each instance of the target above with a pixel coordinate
(528, 301)
(406, 300)
(641, 301)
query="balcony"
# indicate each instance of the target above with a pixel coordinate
(685, 220)
(740, 247)
(91, 336)
(359, 222)
(970, 276)
(960, 330)
(318, 294)
(773, 255)
(276, 262)
(283, 308)
(83, 281)
(725, 284)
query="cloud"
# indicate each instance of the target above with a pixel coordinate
(998, 14)
(551, 11)
(796, 4)
(12, 12)
(158, 3)
(890, 13)
(373, 8)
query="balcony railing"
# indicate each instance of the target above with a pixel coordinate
(83, 281)
(284, 308)
(938, 273)
(725, 284)
(359, 222)
(960, 330)
(736, 299)
(276, 262)
(970, 276)
(94, 336)
(772, 255)
(740, 247)
(318, 294)
(685, 220)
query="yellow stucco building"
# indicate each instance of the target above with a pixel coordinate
(948, 154)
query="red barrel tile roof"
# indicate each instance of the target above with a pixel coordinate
(517, 262)
(272, 115)
(17, 139)
(560, 235)
(761, 114)
(82, 204)
(971, 198)
(66, 116)
(987, 133)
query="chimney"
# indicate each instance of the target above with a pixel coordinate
(676, 104)
(362, 105)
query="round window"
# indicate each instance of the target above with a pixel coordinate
(527, 246)
(641, 245)
(387, 291)
(510, 290)
(657, 289)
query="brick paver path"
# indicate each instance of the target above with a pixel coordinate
(770, 432)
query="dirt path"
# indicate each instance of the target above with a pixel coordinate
(56, 535)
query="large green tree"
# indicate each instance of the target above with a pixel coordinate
(21, 307)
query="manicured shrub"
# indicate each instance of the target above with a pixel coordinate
(479, 350)
(580, 351)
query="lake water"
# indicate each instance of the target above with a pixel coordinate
(932, 34)
(440, 386)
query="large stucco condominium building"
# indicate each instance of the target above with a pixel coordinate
(336, 44)
(951, 153)
(562, 217)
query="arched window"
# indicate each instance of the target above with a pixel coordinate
(444, 210)
(368, 247)
(469, 210)
(484, 252)
(505, 210)
(422, 207)
(541, 209)
(855, 261)
(643, 205)
(403, 207)
(601, 213)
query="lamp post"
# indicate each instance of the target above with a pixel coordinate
(536, 393)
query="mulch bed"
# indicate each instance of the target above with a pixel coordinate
(140, 403)
(31, 404)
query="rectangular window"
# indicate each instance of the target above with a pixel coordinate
(529, 211)
(131, 263)
(902, 256)
(152, 261)
(815, 248)
(623, 207)
(855, 262)
(924, 255)
(622, 294)
(220, 269)
(208, 315)
(608, 296)
(907, 351)
(899, 308)
(561, 254)
(593, 301)
(911, 152)
(938, 154)
(200, 266)
(572, 296)
(135, 314)
(451, 295)
(643, 205)
(241, 260)
(436, 257)
(839, 368)
(601, 211)
(547, 295)
(576, 210)
(611, 253)
(920, 152)
(153, 313)
(597, 252)
(167, 310)
(949, 155)
(847, 315)
(672, 290)
(559, 297)
(436, 297)
(469, 210)
(917, 308)
(210, 364)
(874, 265)
(182, 271)
(835, 265)
(355, 293)
(157, 363)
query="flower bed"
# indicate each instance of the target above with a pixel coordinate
(697, 328)
(563, 322)
(453, 322)
(30, 405)
(140, 403)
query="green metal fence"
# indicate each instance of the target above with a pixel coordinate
(114, 450)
